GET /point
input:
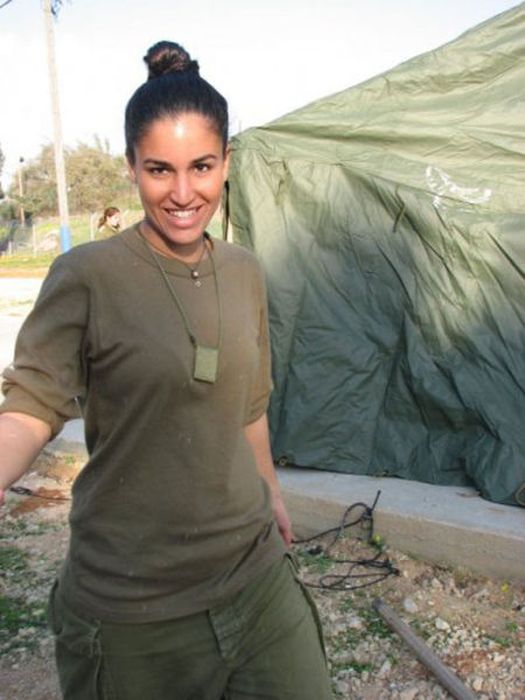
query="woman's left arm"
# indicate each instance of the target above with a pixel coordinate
(258, 436)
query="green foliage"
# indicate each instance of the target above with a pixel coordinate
(16, 614)
(39, 184)
(357, 667)
(347, 605)
(95, 179)
(19, 618)
(12, 559)
(509, 640)
(352, 638)
(8, 212)
(28, 263)
(315, 563)
(375, 624)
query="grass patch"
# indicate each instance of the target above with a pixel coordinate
(502, 641)
(16, 617)
(26, 263)
(357, 667)
(347, 605)
(375, 624)
(20, 527)
(315, 563)
(13, 560)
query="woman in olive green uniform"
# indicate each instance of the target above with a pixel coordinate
(178, 583)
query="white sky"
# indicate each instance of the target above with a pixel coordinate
(267, 57)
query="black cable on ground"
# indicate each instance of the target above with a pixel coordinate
(380, 564)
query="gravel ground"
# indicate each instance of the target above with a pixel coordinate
(474, 624)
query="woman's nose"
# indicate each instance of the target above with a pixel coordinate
(181, 190)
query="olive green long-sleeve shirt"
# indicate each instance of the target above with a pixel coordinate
(169, 515)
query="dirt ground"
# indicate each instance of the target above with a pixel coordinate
(475, 625)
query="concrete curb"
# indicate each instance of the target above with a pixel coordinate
(444, 524)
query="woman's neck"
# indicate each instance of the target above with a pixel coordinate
(190, 254)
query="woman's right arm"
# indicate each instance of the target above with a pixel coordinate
(22, 437)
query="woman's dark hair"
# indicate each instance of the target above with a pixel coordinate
(173, 87)
(108, 211)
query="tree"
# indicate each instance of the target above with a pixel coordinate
(96, 178)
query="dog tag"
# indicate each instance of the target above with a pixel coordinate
(206, 364)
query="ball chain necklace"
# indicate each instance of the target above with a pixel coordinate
(206, 358)
(194, 269)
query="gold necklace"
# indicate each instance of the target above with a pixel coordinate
(194, 269)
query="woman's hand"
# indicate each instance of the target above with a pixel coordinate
(282, 519)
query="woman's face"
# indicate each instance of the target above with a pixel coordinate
(180, 168)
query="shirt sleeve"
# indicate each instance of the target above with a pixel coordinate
(46, 379)
(262, 385)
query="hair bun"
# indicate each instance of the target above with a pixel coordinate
(166, 57)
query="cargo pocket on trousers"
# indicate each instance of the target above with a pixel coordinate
(294, 566)
(78, 654)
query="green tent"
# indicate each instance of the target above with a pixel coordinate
(390, 220)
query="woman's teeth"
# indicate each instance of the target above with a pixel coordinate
(182, 214)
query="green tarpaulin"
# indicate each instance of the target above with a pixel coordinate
(390, 220)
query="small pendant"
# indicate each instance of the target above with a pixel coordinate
(194, 274)
(206, 364)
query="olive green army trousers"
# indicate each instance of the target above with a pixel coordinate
(264, 643)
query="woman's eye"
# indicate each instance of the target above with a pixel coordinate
(158, 171)
(202, 167)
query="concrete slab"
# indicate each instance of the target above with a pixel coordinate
(445, 524)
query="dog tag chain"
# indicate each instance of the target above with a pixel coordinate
(206, 358)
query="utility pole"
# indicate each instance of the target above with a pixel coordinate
(65, 233)
(21, 192)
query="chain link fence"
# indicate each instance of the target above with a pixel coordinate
(42, 236)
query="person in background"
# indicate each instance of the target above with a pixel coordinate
(109, 223)
(178, 583)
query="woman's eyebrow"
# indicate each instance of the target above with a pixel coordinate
(205, 157)
(154, 161)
